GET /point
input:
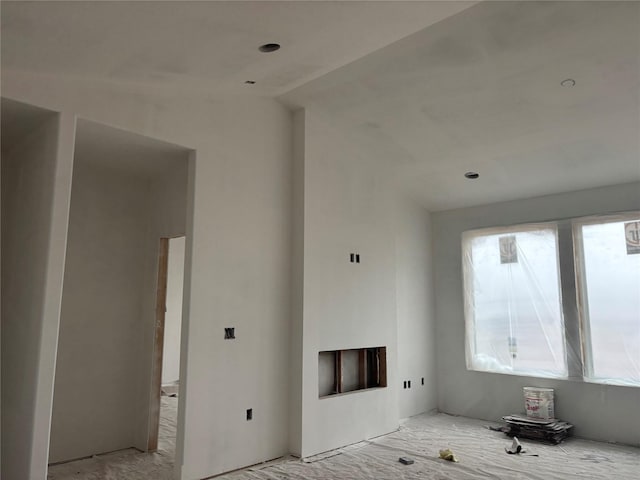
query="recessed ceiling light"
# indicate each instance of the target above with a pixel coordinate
(269, 47)
(472, 175)
(250, 82)
(569, 82)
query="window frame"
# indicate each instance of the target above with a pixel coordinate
(582, 294)
(573, 294)
(467, 280)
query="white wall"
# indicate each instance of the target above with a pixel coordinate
(100, 328)
(173, 316)
(599, 412)
(239, 254)
(100, 377)
(240, 273)
(348, 208)
(297, 284)
(36, 180)
(415, 309)
(168, 193)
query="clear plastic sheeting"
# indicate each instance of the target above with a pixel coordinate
(513, 306)
(608, 262)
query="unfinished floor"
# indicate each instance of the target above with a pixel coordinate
(481, 455)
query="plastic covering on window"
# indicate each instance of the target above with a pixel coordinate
(608, 265)
(513, 305)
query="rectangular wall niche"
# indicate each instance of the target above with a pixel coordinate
(342, 371)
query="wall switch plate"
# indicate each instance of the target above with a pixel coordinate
(229, 333)
(250, 414)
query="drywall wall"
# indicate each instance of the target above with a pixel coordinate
(240, 272)
(27, 173)
(167, 192)
(36, 183)
(101, 326)
(135, 208)
(600, 412)
(297, 284)
(348, 208)
(173, 316)
(239, 254)
(415, 309)
(0, 324)
(123, 200)
(1, 314)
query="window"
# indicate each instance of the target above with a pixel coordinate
(515, 279)
(608, 263)
(342, 371)
(512, 301)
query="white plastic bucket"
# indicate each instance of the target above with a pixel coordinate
(538, 402)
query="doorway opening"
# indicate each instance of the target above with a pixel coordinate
(128, 191)
(166, 357)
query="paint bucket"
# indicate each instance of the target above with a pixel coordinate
(538, 402)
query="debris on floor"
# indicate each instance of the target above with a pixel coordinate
(420, 438)
(552, 430)
(170, 390)
(515, 447)
(447, 454)
(405, 460)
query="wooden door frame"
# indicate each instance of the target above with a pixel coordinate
(158, 345)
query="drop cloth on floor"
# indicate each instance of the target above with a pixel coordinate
(129, 464)
(480, 451)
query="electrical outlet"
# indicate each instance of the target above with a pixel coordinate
(229, 333)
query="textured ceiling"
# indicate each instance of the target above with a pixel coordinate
(480, 91)
(434, 88)
(205, 46)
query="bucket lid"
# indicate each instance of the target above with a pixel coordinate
(537, 389)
